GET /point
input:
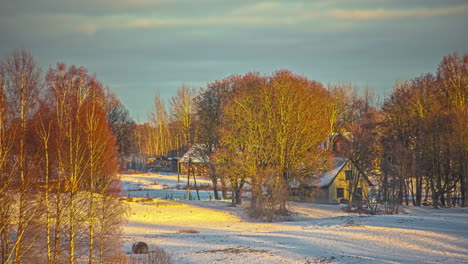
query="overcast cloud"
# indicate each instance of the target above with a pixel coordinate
(138, 47)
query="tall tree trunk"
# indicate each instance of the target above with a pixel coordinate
(223, 189)
(463, 191)
(47, 205)
(239, 192)
(22, 168)
(418, 189)
(72, 231)
(214, 179)
(215, 187)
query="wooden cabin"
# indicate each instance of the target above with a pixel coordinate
(163, 164)
(337, 182)
(194, 160)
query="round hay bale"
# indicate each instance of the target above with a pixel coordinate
(140, 248)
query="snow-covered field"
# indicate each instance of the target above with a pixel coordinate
(162, 186)
(318, 234)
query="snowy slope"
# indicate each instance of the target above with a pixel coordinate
(318, 234)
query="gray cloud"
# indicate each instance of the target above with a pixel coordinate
(139, 47)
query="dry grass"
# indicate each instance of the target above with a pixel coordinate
(157, 202)
(130, 171)
(127, 199)
(119, 258)
(320, 260)
(156, 255)
(351, 223)
(188, 231)
(235, 250)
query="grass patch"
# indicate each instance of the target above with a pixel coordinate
(351, 223)
(188, 231)
(127, 199)
(168, 203)
(320, 260)
(235, 250)
(150, 201)
(156, 255)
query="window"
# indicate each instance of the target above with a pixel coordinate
(359, 191)
(349, 175)
(338, 146)
(339, 192)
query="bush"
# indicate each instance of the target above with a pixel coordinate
(155, 256)
(268, 208)
(120, 258)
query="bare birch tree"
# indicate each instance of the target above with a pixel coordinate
(7, 169)
(183, 115)
(58, 163)
(23, 87)
(70, 87)
(160, 137)
(44, 133)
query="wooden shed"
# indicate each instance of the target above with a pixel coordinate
(194, 160)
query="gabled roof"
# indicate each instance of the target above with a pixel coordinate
(347, 135)
(338, 163)
(196, 154)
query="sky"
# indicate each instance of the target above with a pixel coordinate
(141, 47)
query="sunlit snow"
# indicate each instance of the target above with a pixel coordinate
(317, 234)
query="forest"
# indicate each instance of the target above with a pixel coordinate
(65, 136)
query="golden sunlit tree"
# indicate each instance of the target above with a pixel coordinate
(23, 85)
(424, 137)
(58, 166)
(70, 88)
(210, 104)
(44, 133)
(183, 117)
(158, 132)
(87, 163)
(274, 125)
(452, 75)
(7, 169)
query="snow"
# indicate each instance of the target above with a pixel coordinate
(327, 178)
(161, 186)
(196, 154)
(317, 234)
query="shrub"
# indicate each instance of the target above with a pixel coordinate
(120, 258)
(155, 256)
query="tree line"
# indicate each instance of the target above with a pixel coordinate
(58, 164)
(264, 130)
(423, 136)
